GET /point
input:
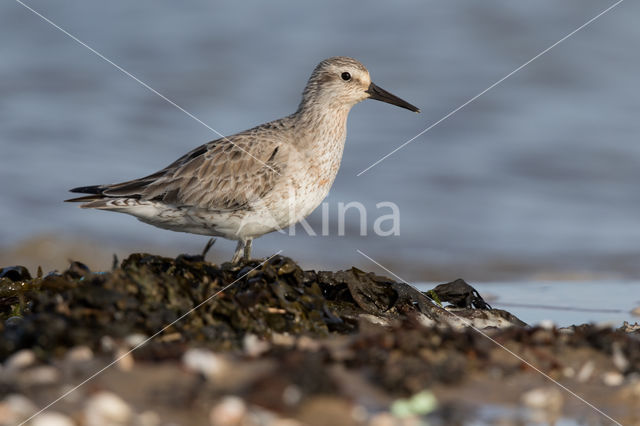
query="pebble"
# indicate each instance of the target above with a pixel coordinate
(148, 418)
(359, 414)
(135, 339)
(51, 418)
(107, 408)
(107, 344)
(15, 408)
(586, 371)
(205, 362)
(420, 404)
(40, 376)
(20, 360)
(230, 411)
(79, 354)
(636, 311)
(125, 359)
(282, 339)
(254, 346)
(424, 402)
(401, 408)
(13, 321)
(547, 324)
(306, 343)
(383, 419)
(544, 398)
(612, 378)
(619, 359)
(291, 395)
(545, 404)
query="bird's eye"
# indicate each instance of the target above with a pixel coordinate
(346, 76)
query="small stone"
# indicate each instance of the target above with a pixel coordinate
(51, 418)
(612, 378)
(124, 357)
(619, 358)
(423, 402)
(291, 395)
(547, 324)
(281, 339)
(401, 408)
(543, 398)
(147, 418)
(420, 404)
(383, 419)
(16, 408)
(135, 339)
(306, 343)
(636, 311)
(231, 411)
(13, 321)
(586, 371)
(254, 346)
(107, 408)
(40, 376)
(205, 362)
(20, 360)
(107, 344)
(359, 413)
(545, 403)
(80, 354)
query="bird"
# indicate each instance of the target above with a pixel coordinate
(260, 180)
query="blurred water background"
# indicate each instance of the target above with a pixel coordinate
(537, 179)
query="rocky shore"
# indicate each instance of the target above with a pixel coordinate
(189, 342)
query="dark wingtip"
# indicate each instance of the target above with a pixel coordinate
(94, 189)
(84, 199)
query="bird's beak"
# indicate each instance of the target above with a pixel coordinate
(380, 94)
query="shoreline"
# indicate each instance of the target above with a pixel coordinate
(53, 252)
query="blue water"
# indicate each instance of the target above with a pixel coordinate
(542, 171)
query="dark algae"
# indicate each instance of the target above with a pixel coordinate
(301, 344)
(146, 293)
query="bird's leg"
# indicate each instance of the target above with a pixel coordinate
(247, 248)
(237, 256)
(207, 247)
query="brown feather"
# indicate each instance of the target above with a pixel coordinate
(213, 176)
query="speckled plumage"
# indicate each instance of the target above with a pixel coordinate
(257, 181)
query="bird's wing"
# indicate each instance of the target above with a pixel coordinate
(224, 175)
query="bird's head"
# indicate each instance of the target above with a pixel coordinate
(343, 82)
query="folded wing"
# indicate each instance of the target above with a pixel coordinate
(222, 175)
